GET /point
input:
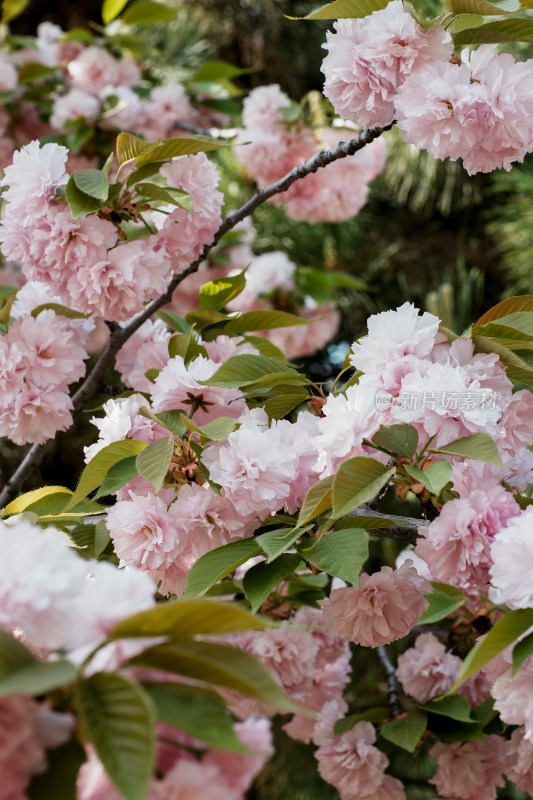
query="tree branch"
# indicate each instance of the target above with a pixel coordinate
(394, 695)
(121, 333)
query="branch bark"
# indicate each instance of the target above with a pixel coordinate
(392, 682)
(121, 333)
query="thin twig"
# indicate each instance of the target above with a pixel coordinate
(121, 333)
(392, 682)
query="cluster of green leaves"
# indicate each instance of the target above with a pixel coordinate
(88, 190)
(117, 714)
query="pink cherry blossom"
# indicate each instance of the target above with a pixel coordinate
(356, 767)
(369, 59)
(26, 729)
(513, 698)
(29, 600)
(519, 761)
(457, 545)
(33, 177)
(239, 770)
(122, 421)
(50, 354)
(95, 68)
(143, 532)
(437, 110)
(511, 558)
(383, 609)
(72, 105)
(185, 233)
(348, 419)
(255, 467)
(470, 770)
(146, 349)
(393, 336)
(179, 386)
(427, 670)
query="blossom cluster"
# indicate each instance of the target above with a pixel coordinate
(385, 67)
(333, 194)
(87, 87)
(84, 260)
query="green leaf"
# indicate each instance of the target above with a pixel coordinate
(141, 174)
(266, 347)
(20, 504)
(218, 664)
(111, 9)
(262, 578)
(460, 23)
(154, 461)
(187, 618)
(505, 631)
(91, 540)
(521, 651)
(34, 71)
(400, 440)
(346, 9)
(216, 294)
(38, 678)
(207, 317)
(118, 476)
(274, 543)
(442, 601)
(146, 12)
(172, 148)
(509, 336)
(214, 565)
(318, 499)
(80, 203)
(485, 8)
(479, 446)
(516, 368)
(79, 137)
(341, 553)
(283, 399)
(263, 321)
(166, 194)
(117, 717)
(454, 706)
(357, 481)
(510, 306)
(130, 147)
(505, 30)
(98, 467)
(185, 346)
(218, 70)
(60, 779)
(376, 714)
(21, 673)
(199, 712)
(405, 732)
(12, 9)
(434, 478)
(219, 429)
(245, 369)
(92, 182)
(5, 311)
(63, 311)
(172, 421)
(368, 522)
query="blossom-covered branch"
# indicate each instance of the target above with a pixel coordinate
(121, 333)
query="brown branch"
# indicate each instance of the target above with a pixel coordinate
(121, 333)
